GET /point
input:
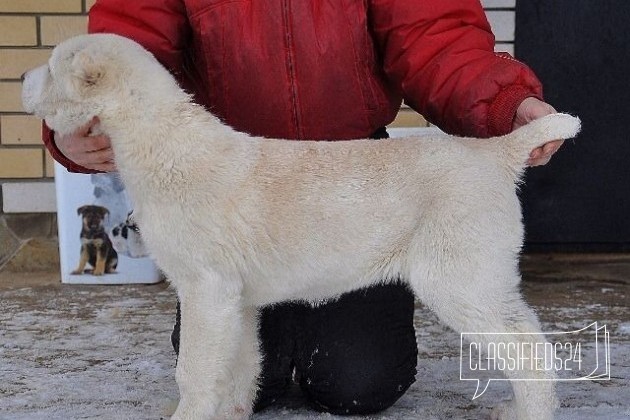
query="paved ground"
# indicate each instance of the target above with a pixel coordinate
(74, 352)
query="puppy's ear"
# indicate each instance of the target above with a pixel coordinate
(88, 66)
(80, 210)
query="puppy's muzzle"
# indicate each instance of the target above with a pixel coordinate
(33, 82)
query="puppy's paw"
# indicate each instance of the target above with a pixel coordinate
(237, 413)
(186, 411)
(510, 411)
(504, 411)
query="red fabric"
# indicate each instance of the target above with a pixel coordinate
(311, 69)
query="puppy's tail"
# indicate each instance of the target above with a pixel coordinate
(514, 148)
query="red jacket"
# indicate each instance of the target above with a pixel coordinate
(338, 69)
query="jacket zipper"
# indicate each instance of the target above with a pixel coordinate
(288, 40)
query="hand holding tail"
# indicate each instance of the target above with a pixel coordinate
(529, 110)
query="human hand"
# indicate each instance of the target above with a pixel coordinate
(529, 110)
(90, 151)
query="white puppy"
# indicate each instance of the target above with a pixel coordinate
(237, 222)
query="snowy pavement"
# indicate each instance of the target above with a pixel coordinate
(103, 352)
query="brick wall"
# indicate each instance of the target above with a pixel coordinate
(28, 31)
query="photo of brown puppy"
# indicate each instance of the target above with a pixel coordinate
(96, 247)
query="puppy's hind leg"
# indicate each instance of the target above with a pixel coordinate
(480, 296)
(111, 263)
(210, 338)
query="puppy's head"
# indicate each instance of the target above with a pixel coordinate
(92, 216)
(91, 75)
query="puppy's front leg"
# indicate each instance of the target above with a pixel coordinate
(246, 369)
(210, 338)
(83, 260)
(101, 257)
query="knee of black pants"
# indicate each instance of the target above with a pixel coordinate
(277, 330)
(360, 388)
(362, 354)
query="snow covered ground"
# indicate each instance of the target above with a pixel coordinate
(103, 352)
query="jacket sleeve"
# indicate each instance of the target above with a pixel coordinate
(440, 55)
(161, 26)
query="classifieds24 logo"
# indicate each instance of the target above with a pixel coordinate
(579, 355)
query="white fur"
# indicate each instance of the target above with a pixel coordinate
(237, 222)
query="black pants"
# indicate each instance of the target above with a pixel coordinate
(354, 355)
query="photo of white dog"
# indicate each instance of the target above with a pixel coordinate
(237, 222)
(127, 240)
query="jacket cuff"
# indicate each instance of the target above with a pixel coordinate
(48, 137)
(503, 109)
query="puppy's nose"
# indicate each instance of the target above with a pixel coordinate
(23, 76)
